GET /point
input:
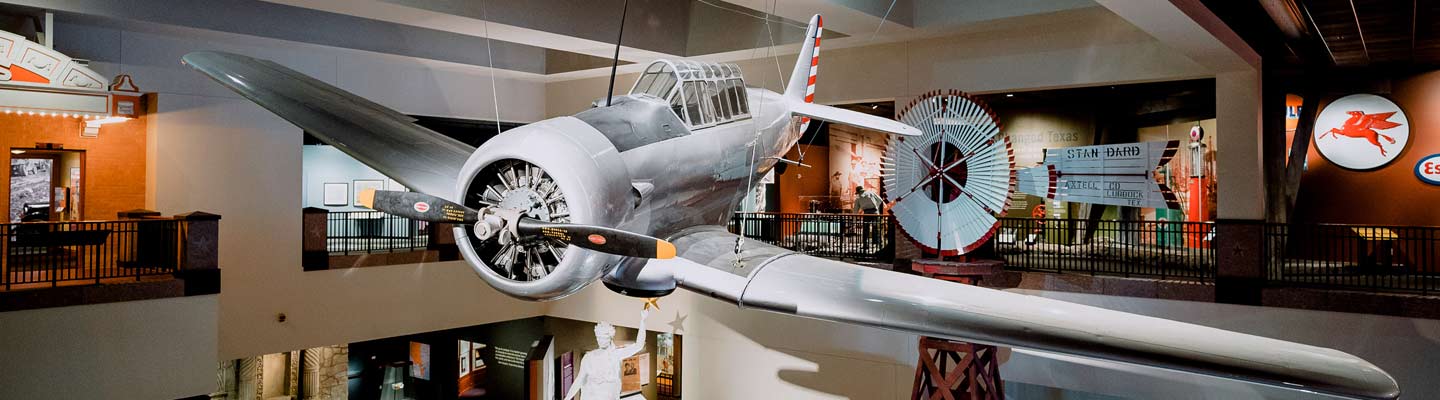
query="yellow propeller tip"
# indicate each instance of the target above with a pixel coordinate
(664, 250)
(366, 198)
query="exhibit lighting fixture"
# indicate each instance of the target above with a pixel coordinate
(1009, 95)
(92, 127)
(17, 151)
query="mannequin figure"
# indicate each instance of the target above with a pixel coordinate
(599, 375)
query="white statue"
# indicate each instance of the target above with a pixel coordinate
(599, 375)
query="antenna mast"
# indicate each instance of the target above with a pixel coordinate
(615, 63)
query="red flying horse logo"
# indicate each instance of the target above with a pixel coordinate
(1362, 125)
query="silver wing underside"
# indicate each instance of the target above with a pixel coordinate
(381, 138)
(773, 279)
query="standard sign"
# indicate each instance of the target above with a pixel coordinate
(1114, 174)
(1428, 169)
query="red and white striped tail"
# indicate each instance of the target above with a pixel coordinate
(814, 64)
(802, 79)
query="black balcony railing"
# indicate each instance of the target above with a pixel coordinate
(860, 237)
(55, 253)
(366, 232)
(1151, 249)
(1358, 257)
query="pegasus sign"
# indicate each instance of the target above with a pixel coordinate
(1361, 131)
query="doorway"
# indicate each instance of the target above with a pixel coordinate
(45, 185)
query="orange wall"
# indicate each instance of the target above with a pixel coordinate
(114, 174)
(800, 181)
(1390, 195)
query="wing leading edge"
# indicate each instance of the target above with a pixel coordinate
(781, 281)
(381, 138)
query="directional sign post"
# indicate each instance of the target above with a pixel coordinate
(1113, 174)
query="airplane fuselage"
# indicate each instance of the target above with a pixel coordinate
(700, 176)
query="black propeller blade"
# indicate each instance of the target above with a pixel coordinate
(599, 238)
(423, 207)
(417, 206)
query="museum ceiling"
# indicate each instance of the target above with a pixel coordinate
(567, 38)
(1339, 33)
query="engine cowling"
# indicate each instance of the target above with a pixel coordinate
(556, 170)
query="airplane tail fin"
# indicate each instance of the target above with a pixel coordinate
(802, 79)
(800, 93)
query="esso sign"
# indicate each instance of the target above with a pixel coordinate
(1361, 132)
(1428, 169)
(1197, 133)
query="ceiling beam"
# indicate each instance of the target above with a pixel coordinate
(1288, 17)
(278, 21)
(1191, 28)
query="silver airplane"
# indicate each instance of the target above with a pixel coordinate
(545, 209)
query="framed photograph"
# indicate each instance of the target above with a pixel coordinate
(420, 360)
(634, 373)
(464, 358)
(362, 184)
(391, 184)
(337, 194)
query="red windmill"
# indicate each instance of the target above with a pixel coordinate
(1362, 125)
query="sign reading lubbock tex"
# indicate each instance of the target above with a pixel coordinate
(1362, 132)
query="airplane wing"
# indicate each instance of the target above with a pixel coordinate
(842, 116)
(777, 280)
(381, 138)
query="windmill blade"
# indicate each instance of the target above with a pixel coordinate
(946, 185)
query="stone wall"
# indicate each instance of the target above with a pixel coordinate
(312, 374)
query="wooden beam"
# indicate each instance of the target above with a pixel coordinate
(1299, 148)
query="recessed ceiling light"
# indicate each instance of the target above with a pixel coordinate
(1009, 95)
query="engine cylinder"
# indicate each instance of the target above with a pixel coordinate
(525, 169)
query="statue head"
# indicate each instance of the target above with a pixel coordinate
(604, 333)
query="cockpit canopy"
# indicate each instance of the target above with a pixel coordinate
(702, 94)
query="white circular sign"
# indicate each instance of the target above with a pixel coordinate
(1428, 169)
(1361, 131)
(1197, 133)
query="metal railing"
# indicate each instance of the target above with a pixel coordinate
(1151, 249)
(364, 232)
(95, 251)
(861, 237)
(1358, 257)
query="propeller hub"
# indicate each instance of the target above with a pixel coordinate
(529, 201)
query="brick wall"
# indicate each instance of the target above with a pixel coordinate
(114, 173)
